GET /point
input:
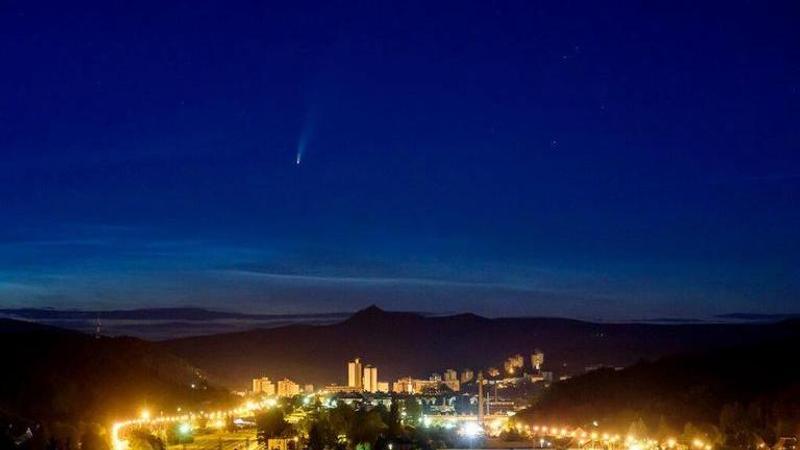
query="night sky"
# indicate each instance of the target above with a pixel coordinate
(600, 160)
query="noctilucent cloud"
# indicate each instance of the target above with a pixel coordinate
(577, 159)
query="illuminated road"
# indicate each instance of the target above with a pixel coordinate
(216, 421)
(219, 439)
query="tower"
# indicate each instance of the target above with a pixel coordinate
(480, 398)
(355, 374)
(370, 378)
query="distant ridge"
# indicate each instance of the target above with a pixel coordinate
(405, 343)
(758, 317)
(164, 323)
(187, 313)
(375, 315)
(10, 326)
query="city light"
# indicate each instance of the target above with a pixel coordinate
(185, 428)
(470, 430)
(553, 434)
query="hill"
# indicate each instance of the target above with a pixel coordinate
(162, 323)
(55, 375)
(183, 313)
(409, 344)
(734, 393)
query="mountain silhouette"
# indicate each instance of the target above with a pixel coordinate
(403, 343)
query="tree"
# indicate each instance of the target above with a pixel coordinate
(638, 428)
(391, 418)
(142, 440)
(341, 418)
(707, 433)
(413, 410)
(320, 436)
(272, 424)
(664, 430)
(367, 427)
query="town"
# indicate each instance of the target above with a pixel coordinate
(492, 390)
(451, 409)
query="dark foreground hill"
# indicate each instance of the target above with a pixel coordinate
(739, 396)
(50, 375)
(409, 344)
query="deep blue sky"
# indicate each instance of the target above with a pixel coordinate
(580, 159)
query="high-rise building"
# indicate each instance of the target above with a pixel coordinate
(263, 385)
(467, 375)
(514, 364)
(308, 389)
(288, 388)
(435, 377)
(355, 374)
(383, 386)
(450, 375)
(537, 359)
(370, 379)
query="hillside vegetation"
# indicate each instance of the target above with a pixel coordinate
(744, 394)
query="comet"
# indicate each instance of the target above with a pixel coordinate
(302, 143)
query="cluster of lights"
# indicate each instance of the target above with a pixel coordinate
(700, 445)
(469, 429)
(629, 442)
(464, 425)
(216, 419)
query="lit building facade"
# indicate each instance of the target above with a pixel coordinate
(355, 376)
(537, 359)
(263, 385)
(370, 379)
(408, 385)
(288, 388)
(514, 364)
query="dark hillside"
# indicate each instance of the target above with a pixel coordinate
(755, 387)
(51, 374)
